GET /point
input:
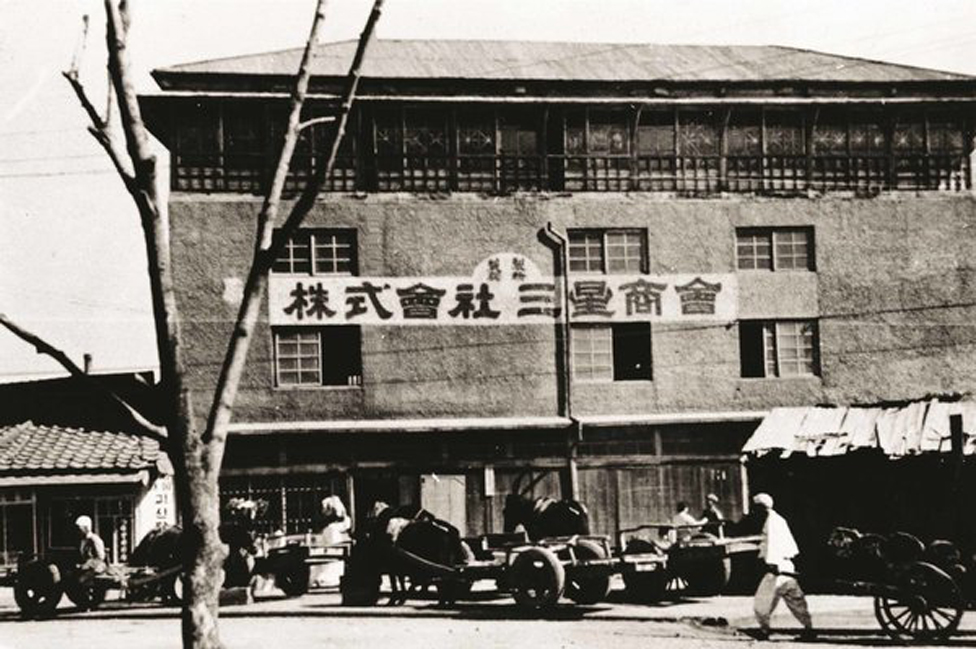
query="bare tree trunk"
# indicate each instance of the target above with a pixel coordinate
(197, 457)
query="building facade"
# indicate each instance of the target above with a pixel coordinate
(743, 227)
(67, 450)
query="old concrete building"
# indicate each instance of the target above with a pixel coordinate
(744, 228)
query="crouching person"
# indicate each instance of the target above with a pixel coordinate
(778, 550)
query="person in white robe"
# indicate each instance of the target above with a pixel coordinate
(778, 551)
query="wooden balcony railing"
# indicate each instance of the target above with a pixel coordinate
(502, 174)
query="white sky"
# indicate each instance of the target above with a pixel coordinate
(72, 266)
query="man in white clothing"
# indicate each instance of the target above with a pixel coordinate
(777, 551)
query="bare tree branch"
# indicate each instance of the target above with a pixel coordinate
(316, 120)
(268, 241)
(99, 125)
(136, 140)
(80, 48)
(144, 427)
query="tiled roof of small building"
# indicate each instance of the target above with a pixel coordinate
(525, 60)
(33, 449)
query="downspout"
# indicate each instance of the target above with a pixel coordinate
(557, 243)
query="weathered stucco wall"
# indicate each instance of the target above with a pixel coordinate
(894, 289)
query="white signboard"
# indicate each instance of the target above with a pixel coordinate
(504, 290)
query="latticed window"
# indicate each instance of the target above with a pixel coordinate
(868, 137)
(299, 357)
(745, 134)
(780, 348)
(314, 356)
(754, 250)
(617, 352)
(655, 133)
(609, 133)
(945, 135)
(698, 134)
(774, 248)
(784, 134)
(328, 252)
(593, 353)
(607, 251)
(830, 137)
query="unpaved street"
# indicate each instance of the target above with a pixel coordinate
(317, 620)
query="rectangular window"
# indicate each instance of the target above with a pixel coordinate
(318, 252)
(782, 348)
(307, 356)
(618, 352)
(607, 251)
(774, 248)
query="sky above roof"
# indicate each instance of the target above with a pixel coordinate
(73, 267)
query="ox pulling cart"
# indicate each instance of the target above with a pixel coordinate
(539, 573)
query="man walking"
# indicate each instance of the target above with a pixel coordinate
(778, 549)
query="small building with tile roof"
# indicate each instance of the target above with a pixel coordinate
(51, 471)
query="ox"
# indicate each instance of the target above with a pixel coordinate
(404, 543)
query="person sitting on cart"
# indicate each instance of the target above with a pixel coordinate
(777, 551)
(713, 515)
(91, 550)
(684, 525)
(335, 521)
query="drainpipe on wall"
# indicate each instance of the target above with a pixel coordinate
(560, 250)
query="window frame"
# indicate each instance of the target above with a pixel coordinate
(616, 331)
(604, 260)
(354, 381)
(772, 335)
(775, 263)
(309, 241)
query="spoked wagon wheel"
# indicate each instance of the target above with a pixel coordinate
(537, 578)
(38, 590)
(926, 607)
(589, 589)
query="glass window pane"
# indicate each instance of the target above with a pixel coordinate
(592, 353)
(753, 250)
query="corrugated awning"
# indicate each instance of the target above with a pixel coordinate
(816, 431)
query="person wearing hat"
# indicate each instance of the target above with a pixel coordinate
(777, 551)
(92, 547)
(713, 515)
(92, 557)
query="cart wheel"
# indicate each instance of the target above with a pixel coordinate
(590, 589)
(293, 579)
(85, 596)
(927, 607)
(38, 590)
(537, 578)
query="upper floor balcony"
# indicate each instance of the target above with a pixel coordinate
(770, 150)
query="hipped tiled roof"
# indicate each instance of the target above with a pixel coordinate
(916, 428)
(32, 449)
(612, 62)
